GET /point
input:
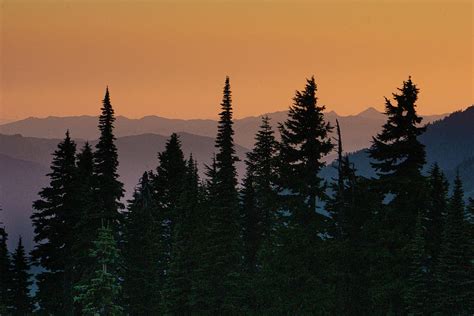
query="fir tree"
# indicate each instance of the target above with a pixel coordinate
(89, 219)
(219, 290)
(168, 186)
(350, 206)
(259, 197)
(297, 263)
(21, 303)
(398, 160)
(186, 239)
(417, 290)
(54, 219)
(5, 273)
(109, 188)
(142, 250)
(453, 271)
(99, 293)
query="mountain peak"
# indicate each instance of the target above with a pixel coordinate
(370, 112)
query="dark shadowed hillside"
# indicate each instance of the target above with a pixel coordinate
(24, 162)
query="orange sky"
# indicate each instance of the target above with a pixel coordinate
(170, 58)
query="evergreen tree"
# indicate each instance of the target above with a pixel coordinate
(350, 208)
(221, 271)
(398, 160)
(435, 217)
(297, 264)
(109, 188)
(89, 219)
(21, 303)
(143, 277)
(168, 186)
(5, 273)
(54, 218)
(259, 197)
(453, 271)
(437, 207)
(418, 290)
(99, 293)
(186, 239)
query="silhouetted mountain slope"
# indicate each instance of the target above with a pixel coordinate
(449, 142)
(359, 128)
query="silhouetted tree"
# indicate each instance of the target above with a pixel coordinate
(186, 239)
(21, 303)
(221, 271)
(5, 273)
(453, 271)
(109, 188)
(54, 219)
(297, 263)
(398, 157)
(168, 186)
(142, 250)
(417, 291)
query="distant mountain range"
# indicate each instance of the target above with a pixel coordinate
(26, 147)
(357, 129)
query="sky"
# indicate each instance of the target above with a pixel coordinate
(170, 58)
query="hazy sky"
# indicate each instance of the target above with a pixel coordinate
(170, 58)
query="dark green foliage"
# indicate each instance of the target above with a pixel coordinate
(186, 241)
(350, 206)
(21, 302)
(142, 249)
(397, 151)
(417, 290)
(219, 289)
(99, 293)
(54, 220)
(168, 186)
(259, 196)
(89, 218)
(455, 266)
(109, 188)
(5, 273)
(297, 263)
(398, 159)
(304, 142)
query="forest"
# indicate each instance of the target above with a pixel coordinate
(281, 241)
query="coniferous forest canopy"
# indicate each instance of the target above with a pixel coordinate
(281, 241)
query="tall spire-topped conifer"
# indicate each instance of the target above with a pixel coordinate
(110, 189)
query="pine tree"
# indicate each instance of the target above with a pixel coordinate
(54, 219)
(142, 250)
(297, 263)
(109, 188)
(21, 303)
(5, 273)
(168, 186)
(99, 293)
(453, 271)
(398, 158)
(185, 246)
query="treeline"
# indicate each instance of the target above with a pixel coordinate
(282, 242)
